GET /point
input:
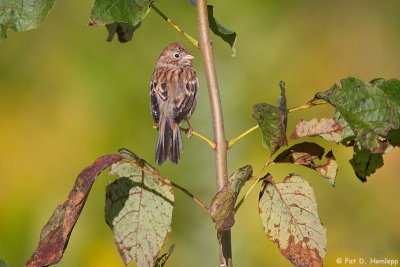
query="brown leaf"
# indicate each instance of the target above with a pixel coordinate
(289, 215)
(55, 234)
(223, 203)
(221, 209)
(303, 153)
(329, 169)
(328, 129)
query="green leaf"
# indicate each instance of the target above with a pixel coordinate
(394, 137)
(120, 16)
(328, 129)
(223, 203)
(238, 179)
(347, 133)
(305, 153)
(22, 15)
(160, 262)
(365, 107)
(272, 122)
(123, 30)
(289, 215)
(128, 11)
(365, 163)
(392, 90)
(139, 210)
(55, 234)
(218, 29)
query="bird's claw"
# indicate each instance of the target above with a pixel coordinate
(189, 132)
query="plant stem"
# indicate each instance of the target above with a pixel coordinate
(211, 143)
(176, 27)
(309, 104)
(234, 140)
(167, 181)
(313, 102)
(205, 44)
(254, 184)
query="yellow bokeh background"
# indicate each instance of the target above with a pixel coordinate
(68, 97)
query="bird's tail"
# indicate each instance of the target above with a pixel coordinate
(169, 142)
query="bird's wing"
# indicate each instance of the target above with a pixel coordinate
(184, 107)
(158, 93)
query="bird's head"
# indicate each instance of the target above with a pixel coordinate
(176, 55)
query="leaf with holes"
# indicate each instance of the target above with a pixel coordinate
(223, 203)
(22, 15)
(289, 215)
(302, 153)
(329, 169)
(139, 210)
(365, 107)
(272, 122)
(55, 234)
(305, 153)
(328, 129)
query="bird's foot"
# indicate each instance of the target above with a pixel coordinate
(189, 132)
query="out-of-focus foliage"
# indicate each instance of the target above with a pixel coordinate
(22, 15)
(67, 97)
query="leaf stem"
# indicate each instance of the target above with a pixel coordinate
(254, 184)
(167, 181)
(311, 103)
(211, 143)
(234, 140)
(176, 27)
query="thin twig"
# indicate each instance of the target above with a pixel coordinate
(313, 102)
(205, 44)
(176, 27)
(234, 140)
(267, 163)
(309, 104)
(167, 181)
(211, 143)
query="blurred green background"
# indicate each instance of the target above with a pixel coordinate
(68, 97)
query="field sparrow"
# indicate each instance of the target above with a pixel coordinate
(173, 92)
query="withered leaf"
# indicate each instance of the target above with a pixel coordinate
(305, 153)
(272, 122)
(328, 129)
(138, 209)
(55, 234)
(223, 203)
(289, 215)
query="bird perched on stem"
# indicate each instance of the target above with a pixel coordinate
(173, 92)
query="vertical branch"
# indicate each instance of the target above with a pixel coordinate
(205, 44)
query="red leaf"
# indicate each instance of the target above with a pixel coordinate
(55, 234)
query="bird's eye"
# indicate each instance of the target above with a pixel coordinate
(176, 55)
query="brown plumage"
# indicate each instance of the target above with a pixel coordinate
(173, 92)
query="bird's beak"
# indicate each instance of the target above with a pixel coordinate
(188, 57)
